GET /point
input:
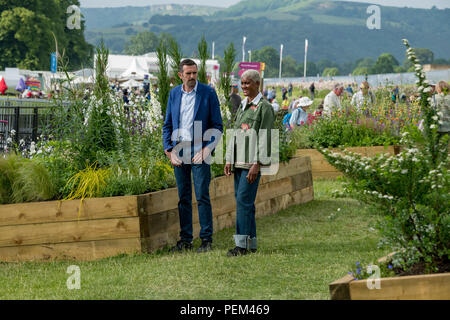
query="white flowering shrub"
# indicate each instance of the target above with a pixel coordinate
(411, 189)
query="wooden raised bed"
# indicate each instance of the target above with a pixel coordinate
(98, 228)
(322, 169)
(421, 287)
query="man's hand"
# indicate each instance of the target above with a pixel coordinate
(176, 162)
(253, 173)
(201, 155)
(227, 169)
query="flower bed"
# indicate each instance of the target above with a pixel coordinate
(101, 227)
(322, 169)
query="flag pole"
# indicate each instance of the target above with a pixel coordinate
(306, 53)
(281, 60)
(243, 48)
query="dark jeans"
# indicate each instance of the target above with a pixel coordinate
(202, 177)
(245, 194)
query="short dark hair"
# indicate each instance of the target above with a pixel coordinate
(186, 62)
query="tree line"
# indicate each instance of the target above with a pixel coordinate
(28, 29)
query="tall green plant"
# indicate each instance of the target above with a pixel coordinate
(163, 76)
(203, 56)
(176, 55)
(229, 56)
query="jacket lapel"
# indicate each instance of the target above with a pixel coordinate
(177, 108)
(198, 99)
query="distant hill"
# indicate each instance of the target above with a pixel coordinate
(110, 17)
(337, 31)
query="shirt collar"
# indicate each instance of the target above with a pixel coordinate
(195, 88)
(255, 101)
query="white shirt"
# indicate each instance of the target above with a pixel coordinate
(254, 101)
(187, 114)
(331, 103)
(275, 106)
(359, 100)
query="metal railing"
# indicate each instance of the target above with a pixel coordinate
(27, 117)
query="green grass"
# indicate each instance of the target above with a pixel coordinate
(301, 250)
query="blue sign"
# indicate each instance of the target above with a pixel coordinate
(54, 63)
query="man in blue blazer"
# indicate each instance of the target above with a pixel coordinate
(192, 128)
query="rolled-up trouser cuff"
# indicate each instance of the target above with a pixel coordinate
(244, 241)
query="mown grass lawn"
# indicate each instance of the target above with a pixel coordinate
(302, 250)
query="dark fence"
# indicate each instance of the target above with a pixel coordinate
(27, 117)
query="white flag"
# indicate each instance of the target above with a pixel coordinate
(306, 45)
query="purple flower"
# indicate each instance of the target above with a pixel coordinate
(390, 266)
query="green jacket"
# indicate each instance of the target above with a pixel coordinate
(246, 144)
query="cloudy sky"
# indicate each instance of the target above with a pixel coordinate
(226, 3)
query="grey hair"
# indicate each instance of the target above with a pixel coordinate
(252, 75)
(338, 86)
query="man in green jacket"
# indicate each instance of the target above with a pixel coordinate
(249, 149)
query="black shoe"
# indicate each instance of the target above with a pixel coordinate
(253, 250)
(181, 246)
(238, 251)
(205, 246)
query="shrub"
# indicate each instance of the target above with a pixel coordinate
(411, 190)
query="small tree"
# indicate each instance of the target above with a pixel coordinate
(229, 56)
(163, 76)
(203, 56)
(176, 55)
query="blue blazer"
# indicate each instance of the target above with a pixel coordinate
(206, 110)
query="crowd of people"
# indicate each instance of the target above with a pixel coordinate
(297, 110)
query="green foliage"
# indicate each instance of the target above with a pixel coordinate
(287, 22)
(385, 63)
(342, 131)
(229, 56)
(330, 72)
(203, 56)
(163, 76)
(23, 180)
(88, 183)
(176, 55)
(26, 34)
(142, 43)
(271, 57)
(410, 190)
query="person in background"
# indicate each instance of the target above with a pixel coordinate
(442, 104)
(275, 105)
(349, 91)
(300, 114)
(312, 90)
(266, 94)
(319, 111)
(290, 89)
(332, 101)
(273, 93)
(235, 99)
(284, 93)
(364, 98)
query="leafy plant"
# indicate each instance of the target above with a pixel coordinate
(203, 56)
(88, 183)
(163, 76)
(411, 190)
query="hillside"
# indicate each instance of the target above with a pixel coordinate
(336, 30)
